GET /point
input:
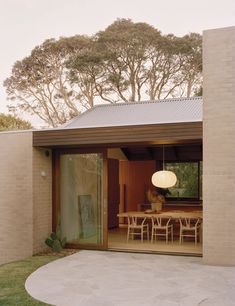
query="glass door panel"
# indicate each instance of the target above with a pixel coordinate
(81, 198)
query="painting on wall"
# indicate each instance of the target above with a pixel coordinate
(86, 216)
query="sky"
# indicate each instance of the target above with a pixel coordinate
(27, 23)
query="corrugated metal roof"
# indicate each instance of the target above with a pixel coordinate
(140, 113)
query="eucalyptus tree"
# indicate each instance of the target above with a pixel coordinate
(174, 68)
(191, 50)
(40, 83)
(163, 67)
(116, 61)
(126, 62)
(133, 61)
(87, 72)
(127, 47)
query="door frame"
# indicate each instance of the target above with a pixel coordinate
(56, 154)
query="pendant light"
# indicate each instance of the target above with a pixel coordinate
(164, 178)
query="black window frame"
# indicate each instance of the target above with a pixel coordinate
(197, 199)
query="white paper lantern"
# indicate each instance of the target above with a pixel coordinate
(164, 179)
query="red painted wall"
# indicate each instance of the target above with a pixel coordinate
(135, 179)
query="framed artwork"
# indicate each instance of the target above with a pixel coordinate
(86, 215)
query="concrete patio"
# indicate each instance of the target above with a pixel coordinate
(99, 278)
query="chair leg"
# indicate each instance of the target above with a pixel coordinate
(128, 234)
(167, 235)
(152, 235)
(142, 235)
(200, 233)
(171, 234)
(148, 233)
(195, 236)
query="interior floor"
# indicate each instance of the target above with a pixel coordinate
(117, 239)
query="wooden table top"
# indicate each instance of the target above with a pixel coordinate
(174, 214)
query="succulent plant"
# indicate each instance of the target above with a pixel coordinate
(49, 242)
(53, 236)
(55, 242)
(56, 247)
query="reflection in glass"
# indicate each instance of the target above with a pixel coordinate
(81, 197)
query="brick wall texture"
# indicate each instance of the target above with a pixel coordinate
(25, 196)
(42, 198)
(16, 210)
(219, 146)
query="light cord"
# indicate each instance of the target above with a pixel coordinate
(163, 160)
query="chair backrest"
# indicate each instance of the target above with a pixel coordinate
(135, 220)
(190, 222)
(160, 221)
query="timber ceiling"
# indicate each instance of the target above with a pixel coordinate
(188, 152)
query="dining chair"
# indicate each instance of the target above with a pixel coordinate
(190, 227)
(137, 227)
(161, 226)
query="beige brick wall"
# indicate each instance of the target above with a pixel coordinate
(219, 146)
(25, 196)
(42, 198)
(16, 211)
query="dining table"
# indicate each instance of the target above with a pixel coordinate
(174, 214)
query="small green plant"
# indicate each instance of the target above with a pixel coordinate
(55, 242)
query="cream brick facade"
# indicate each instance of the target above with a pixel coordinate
(16, 210)
(219, 146)
(42, 198)
(25, 196)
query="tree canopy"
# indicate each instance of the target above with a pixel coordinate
(126, 62)
(9, 122)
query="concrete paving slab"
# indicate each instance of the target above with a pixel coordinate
(97, 278)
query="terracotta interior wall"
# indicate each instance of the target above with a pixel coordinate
(135, 179)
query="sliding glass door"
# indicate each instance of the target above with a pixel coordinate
(82, 209)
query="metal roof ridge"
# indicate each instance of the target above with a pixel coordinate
(146, 102)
